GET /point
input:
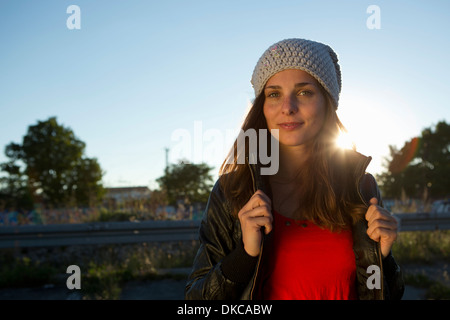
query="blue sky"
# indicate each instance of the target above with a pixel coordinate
(141, 76)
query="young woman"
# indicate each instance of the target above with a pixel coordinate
(315, 229)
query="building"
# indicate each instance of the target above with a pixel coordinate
(121, 194)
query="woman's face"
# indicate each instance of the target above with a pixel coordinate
(295, 105)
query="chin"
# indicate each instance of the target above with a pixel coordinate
(295, 142)
(292, 143)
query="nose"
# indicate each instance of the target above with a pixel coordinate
(289, 106)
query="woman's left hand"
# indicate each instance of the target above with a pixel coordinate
(382, 226)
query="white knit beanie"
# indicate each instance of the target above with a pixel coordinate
(316, 58)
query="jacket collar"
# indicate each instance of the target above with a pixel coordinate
(347, 164)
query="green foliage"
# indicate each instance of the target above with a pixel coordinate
(56, 172)
(438, 291)
(425, 248)
(23, 272)
(186, 181)
(422, 246)
(417, 280)
(421, 168)
(104, 282)
(435, 290)
(15, 192)
(105, 269)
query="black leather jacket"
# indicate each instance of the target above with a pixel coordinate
(220, 235)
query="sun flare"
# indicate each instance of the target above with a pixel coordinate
(345, 141)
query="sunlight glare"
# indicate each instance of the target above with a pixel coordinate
(345, 141)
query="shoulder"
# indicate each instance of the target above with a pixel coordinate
(369, 188)
(348, 165)
(218, 224)
(356, 164)
(350, 158)
(218, 203)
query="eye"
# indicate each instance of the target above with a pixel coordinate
(273, 95)
(305, 93)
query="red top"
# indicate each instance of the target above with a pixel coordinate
(306, 262)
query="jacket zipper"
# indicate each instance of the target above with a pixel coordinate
(262, 242)
(377, 244)
(381, 271)
(257, 270)
(251, 174)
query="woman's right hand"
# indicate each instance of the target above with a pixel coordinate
(254, 215)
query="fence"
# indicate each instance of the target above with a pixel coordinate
(151, 231)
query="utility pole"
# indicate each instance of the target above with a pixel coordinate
(167, 159)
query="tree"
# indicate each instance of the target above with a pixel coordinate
(56, 170)
(186, 181)
(15, 192)
(421, 168)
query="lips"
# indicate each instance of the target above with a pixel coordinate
(290, 125)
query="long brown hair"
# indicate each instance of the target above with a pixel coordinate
(322, 198)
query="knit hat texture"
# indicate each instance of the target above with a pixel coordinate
(316, 58)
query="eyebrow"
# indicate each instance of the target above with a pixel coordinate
(297, 85)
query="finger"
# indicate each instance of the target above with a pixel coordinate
(373, 206)
(388, 225)
(261, 196)
(262, 211)
(382, 233)
(259, 222)
(376, 212)
(257, 200)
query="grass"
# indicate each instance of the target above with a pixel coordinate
(435, 290)
(104, 282)
(105, 269)
(422, 246)
(22, 272)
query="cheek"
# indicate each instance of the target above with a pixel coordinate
(320, 115)
(268, 114)
(316, 113)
